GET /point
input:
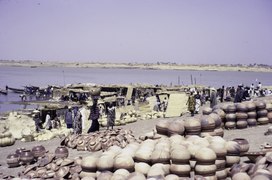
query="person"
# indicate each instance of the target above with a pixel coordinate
(213, 99)
(77, 121)
(197, 102)
(259, 86)
(239, 94)
(48, 123)
(110, 116)
(37, 120)
(191, 103)
(69, 118)
(252, 90)
(94, 116)
(222, 91)
(165, 104)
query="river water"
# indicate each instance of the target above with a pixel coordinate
(17, 77)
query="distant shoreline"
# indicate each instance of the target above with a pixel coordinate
(147, 66)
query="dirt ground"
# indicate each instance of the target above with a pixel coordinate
(254, 135)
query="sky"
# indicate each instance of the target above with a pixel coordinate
(137, 31)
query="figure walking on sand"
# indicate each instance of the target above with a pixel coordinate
(94, 116)
(191, 103)
(197, 102)
(213, 99)
(111, 116)
(77, 121)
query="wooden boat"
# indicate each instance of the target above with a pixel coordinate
(15, 90)
(3, 92)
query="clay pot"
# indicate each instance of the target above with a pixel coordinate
(217, 119)
(19, 151)
(231, 160)
(260, 105)
(205, 156)
(180, 158)
(207, 124)
(233, 148)
(61, 152)
(219, 132)
(176, 127)
(251, 106)
(13, 160)
(221, 174)
(263, 120)
(262, 113)
(207, 110)
(243, 143)
(192, 126)
(230, 124)
(231, 117)
(241, 115)
(241, 175)
(88, 164)
(252, 114)
(38, 151)
(205, 170)
(162, 127)
(26, 157)
(269, 107)
(252, 122)
(221, 113)
(241, 107)
(231, 108)
(62, 172)
(241, 124)
(269, 116)
(142, 167)
(182, 170)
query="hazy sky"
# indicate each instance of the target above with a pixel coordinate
(181, 31)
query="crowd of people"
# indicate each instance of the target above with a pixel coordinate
(197, 97)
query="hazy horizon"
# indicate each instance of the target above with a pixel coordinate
(150, 31)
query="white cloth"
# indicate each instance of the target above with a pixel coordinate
(197, 105)
(47, 122)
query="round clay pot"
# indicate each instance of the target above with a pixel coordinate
(207, 110)
(26, 157)
(252, 114)
(241, 124)
(205, 170)
(231, 117)
(268, 107)
(251, 106)
(219, 132)
(241, 107)
(260, 105)
(262, 113)
(13, 160)
(252, 122)
(230, 124)
(38, 151)
(207, 123)
(61, 152)
(233, 148)
(192, 126)
(205, 156)
(221, 113)
(263, 120)
(19, 151)
(182, 170)
(217, 119)
(243, 143)
(241, 115)
(162, 127)
(176, 127)
(231, 108)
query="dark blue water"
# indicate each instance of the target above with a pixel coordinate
(18, 77)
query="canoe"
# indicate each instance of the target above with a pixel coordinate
(3, 92)
(15, 90)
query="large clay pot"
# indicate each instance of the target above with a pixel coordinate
(13, 160)
(192, 126)
(231, 108)
(162, 127)
(233, 148)
(207, 110)
(269, 107)
(18, 151)
(38, 151)
(207, 123)
(176, 127)
(231, 117)
(241, 107)
(26, 157)
(182, 170)
(241, 124)
(252, 114)
(263, 120)
(205, 156)
(252, 122)
(243, 143)
(230, 124)
(205, 170)
(241, 115)
(260, 105)
(61, 152)
(217, 119)
(251, 106)
(262, 113)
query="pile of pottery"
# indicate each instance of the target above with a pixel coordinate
(100, 140)
(247, 114)
(260, 168)
(210, 124)
(53, 165)
(6, 138)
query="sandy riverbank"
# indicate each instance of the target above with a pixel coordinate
(158, 66)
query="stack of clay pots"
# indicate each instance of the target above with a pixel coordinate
(241, 116)
(262, 113)
(192, 126)
(230, 116)
(6, 139)
(233, 153)
(179, 161)
(205, 163)
(251, 114)
(207, 125)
